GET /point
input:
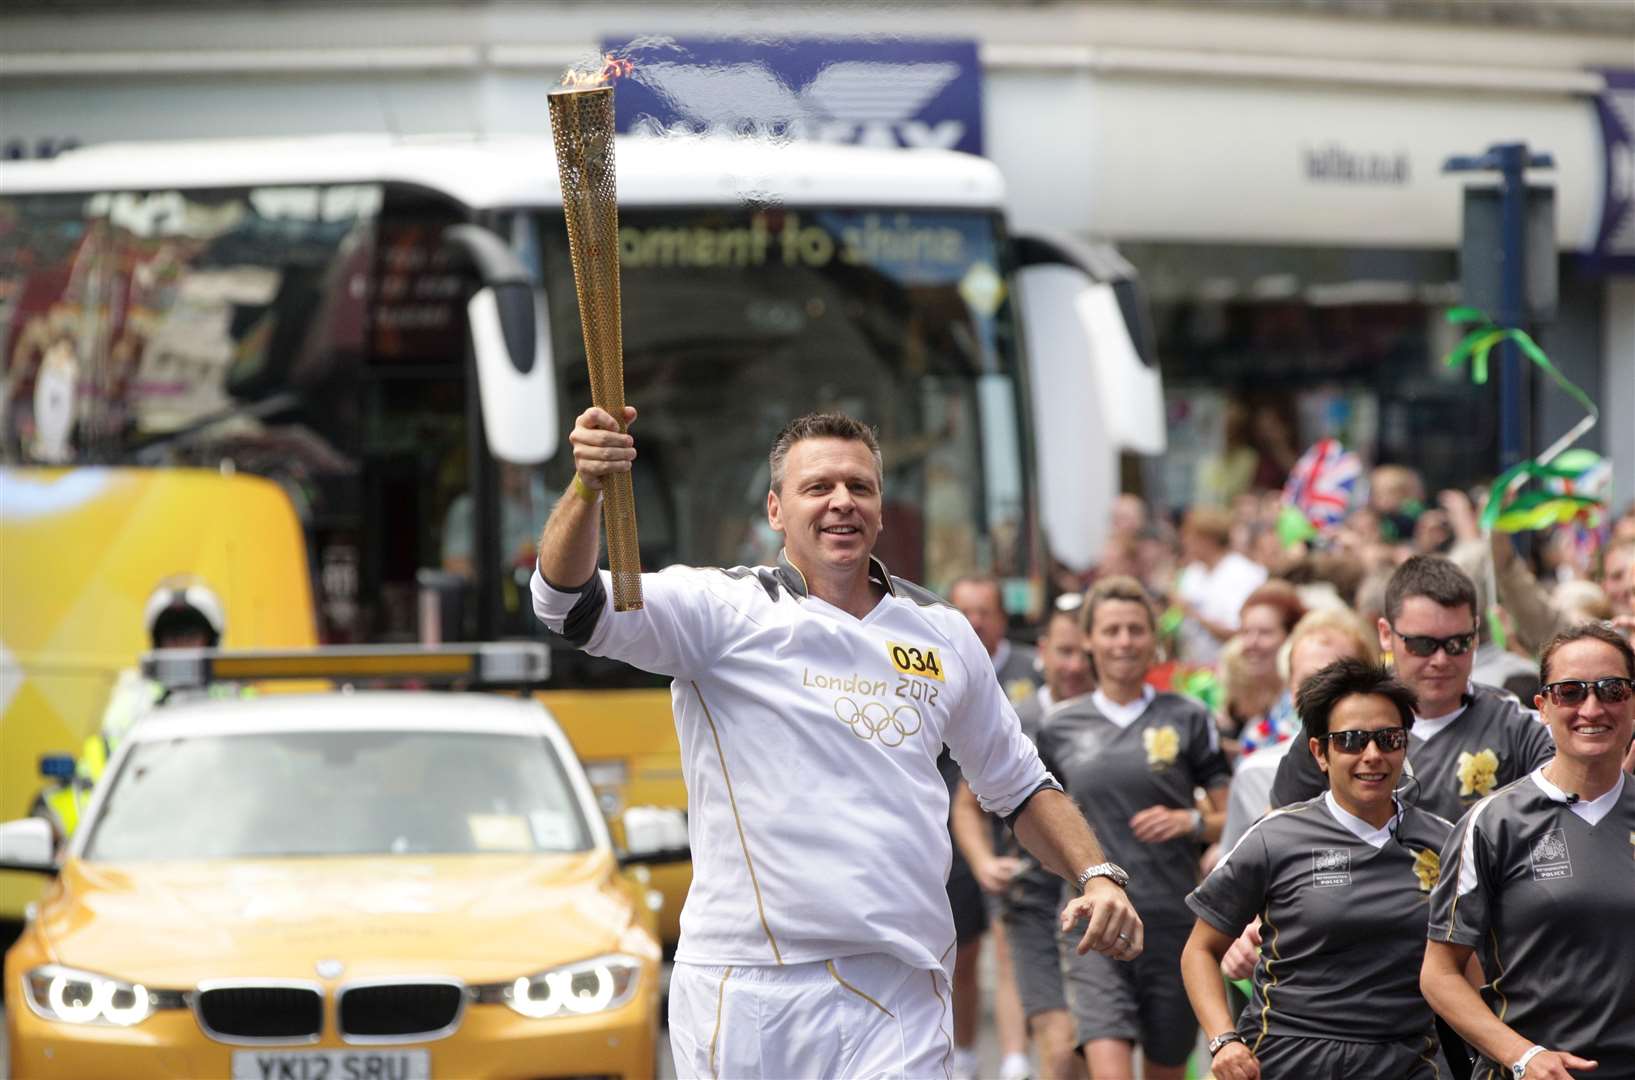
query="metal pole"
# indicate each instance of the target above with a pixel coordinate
(1515, 427)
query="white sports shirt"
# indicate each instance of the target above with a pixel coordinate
(809, 743)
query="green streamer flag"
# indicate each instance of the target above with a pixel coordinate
(1563, 471)
(1480, 341)
(1559, 466)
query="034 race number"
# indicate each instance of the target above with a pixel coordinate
(915, 660)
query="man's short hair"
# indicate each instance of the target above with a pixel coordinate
(1065, 616)
(981, 581)
(821, 426)
(1350, 678)
(1433, 577)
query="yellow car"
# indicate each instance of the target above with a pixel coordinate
(370, 885)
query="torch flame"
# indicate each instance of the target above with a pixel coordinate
(613, 67)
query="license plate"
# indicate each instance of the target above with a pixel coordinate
(332, 1065)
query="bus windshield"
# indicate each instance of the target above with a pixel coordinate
(316, 335)
(737, 320)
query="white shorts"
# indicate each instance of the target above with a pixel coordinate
(859, 1016)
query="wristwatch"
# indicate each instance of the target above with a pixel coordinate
(1221, 1040)
(1519, 1069)
(1103, 869)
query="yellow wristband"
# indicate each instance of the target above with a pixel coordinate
(584, 490)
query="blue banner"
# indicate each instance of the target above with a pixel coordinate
(892, 93)
(1614, 250)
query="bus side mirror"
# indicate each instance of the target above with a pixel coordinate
(516, 380)
(28, 845)
(1093, 396)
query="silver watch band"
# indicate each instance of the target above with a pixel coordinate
(1102, 869)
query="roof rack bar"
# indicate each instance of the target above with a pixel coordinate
(506, 663)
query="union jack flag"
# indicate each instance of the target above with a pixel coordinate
(1322, 482)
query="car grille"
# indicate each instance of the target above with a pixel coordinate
(399, 1010)
(262, 1012)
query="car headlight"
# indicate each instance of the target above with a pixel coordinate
(589, 986)
(72, 996)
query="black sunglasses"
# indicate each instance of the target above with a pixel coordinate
(1573, 692)
(1422, 646)
(1355, 742)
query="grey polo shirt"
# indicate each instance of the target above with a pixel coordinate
(1491, 743)
(1113, 772)
(1341, 906)
(1547, 898)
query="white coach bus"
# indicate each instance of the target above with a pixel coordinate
(389, 329)
(296, 306)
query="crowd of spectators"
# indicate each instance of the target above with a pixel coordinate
(1242, 615)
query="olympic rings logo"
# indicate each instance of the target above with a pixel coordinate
(875, 720)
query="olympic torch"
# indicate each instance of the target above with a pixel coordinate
(582, 127)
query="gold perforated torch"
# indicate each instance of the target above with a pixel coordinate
(582, 127)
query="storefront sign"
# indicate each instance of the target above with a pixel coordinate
(1332, 163)
(840, 90)
(1247, 163)
(1614, 248)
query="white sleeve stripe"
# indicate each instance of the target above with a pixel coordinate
(1467, 851)
(1250, 831)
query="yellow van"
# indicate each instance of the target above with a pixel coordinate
(81, 551)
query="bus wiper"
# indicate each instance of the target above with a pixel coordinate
(153, 451)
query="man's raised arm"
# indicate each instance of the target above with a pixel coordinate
(568, 546)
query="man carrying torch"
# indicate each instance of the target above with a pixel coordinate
(812, 699)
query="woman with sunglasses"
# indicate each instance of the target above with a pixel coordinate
(1340, 884)
(1132, 758)
(1541, 884)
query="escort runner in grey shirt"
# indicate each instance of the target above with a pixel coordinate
(1489, 743)
(1340, 905)
(1114, 773)
(1546, 896)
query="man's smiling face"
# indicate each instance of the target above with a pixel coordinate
(828, 507)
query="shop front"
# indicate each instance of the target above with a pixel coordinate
(1300, 243)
